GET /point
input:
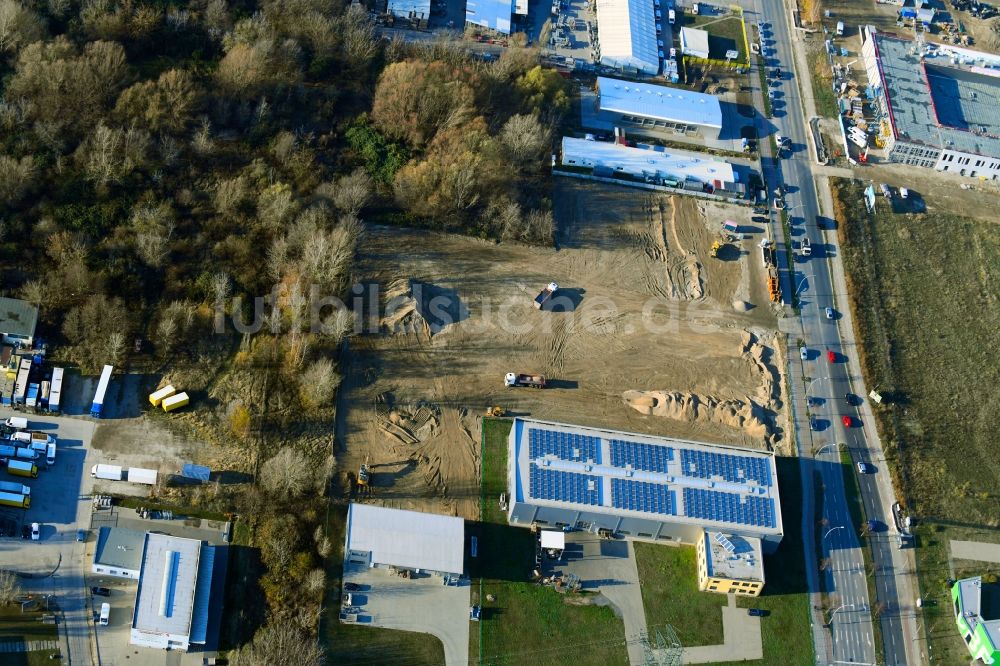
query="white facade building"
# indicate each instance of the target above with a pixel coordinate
(118, 552)
(694, 43)
(648, 104)
(383, 537)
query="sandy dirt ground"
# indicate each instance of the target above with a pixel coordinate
(649, 334)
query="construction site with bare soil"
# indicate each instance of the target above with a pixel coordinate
(658, 321)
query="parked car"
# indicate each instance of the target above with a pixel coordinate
(757, 612)
(352, 587)
(36, 532)
(25, 531)
(803, 353)
(100, 591)
(81, 535)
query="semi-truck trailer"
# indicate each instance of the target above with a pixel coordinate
(21, 383)
(22, 468)
(15, 499)
(107, 472)
(102, 389)
(31, 398)
(14, 487)
(140, 475)
(55, 392)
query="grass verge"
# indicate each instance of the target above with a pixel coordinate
(822, 84)
(526, 622)
(17, 626)
(348, 645)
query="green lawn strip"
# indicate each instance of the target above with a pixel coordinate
(826, 102)
(349, 645)
(24, 626)
(727, 31)
(526, 622)
(669, 580)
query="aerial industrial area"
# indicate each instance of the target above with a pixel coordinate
(481, 332)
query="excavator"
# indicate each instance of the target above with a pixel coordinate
(495, 411)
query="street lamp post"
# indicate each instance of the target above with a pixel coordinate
(837, 610)
(801, 282)
(825, 447)
(831, 530)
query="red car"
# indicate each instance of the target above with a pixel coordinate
(848, 422)
(831, 356)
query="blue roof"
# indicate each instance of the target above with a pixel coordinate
(202, 595)
(199, 472)
(659, 102)
(492, 14)
(596, 470)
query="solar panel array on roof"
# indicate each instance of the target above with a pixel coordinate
(729, 507)
(643, 496)
(647, 457)
(736, 469)
(552, 484)
(563, 445)
(724, 542)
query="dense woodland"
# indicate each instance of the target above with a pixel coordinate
(159, 159)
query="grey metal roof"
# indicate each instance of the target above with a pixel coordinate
(17, 317)
(659, 102)
(119, 548)
(940, 105)
(167, 583)
(645, 158)
(410, 539)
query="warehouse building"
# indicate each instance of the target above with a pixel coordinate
(650, 105)
(17, 322)
(495, 15)
(640, 486)
(934, 112)
(652, 164)
(175, 590)
(118, 552)
(380, 537)
(977, 613)
(626, 30)
(694, 43)
(730, 564)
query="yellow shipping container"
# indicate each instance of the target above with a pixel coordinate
(157, 396)
(175, 402)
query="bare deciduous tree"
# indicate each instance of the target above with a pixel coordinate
(279, 643)
(352, 192)
(18, 26)
(287, 474)
(110, 155)
(115, 349)
(525, 138)
(318, 383)
(17, 177)
(315, 581)
(33, 291)
(230, 194)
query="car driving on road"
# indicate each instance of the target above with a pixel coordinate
(829, 313)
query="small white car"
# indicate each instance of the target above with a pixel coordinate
(829, 313)
(803, 353)
(36, 531)
(862, 468)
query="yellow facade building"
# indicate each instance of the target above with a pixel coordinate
(730, 564)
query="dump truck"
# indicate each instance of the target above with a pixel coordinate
(15, 499)
(767, 255)
(107, 472)
(102, 389)
(140, 475)
(159, 395)
(31, 437)
(773, 285)
(55, 392)
(175, 401)
(511, 380)
(22, 468)
(545, 294)
(14, 487)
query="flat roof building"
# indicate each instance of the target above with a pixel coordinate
(627, 33)
(728, 563)
(977, 613)
(17, 322)
(694, 42)
(118, 552)
(652, 163)
(649, 104)
(934, 111)
(639, 486)
(175, 584)
(383, 537)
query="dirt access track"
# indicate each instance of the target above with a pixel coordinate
(649, 334)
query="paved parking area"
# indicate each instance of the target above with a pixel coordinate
(975, 550)
(420, 604)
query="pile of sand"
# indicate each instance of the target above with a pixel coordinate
(411, 306)
(690, 407)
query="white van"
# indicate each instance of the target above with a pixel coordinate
(105, 615)
(50, 454)
(694, 9)
(840, 28)
(18, 422)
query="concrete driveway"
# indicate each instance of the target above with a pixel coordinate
(421, 604)
(608, 567)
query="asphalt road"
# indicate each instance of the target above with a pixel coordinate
(827, 384)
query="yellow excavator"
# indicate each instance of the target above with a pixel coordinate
(495, 411)
(716, 246)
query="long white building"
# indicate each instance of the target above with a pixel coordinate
(640, 486)
(940, 107)
(651, 105)
(627, 33)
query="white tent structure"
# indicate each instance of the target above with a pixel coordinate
(627, 32)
